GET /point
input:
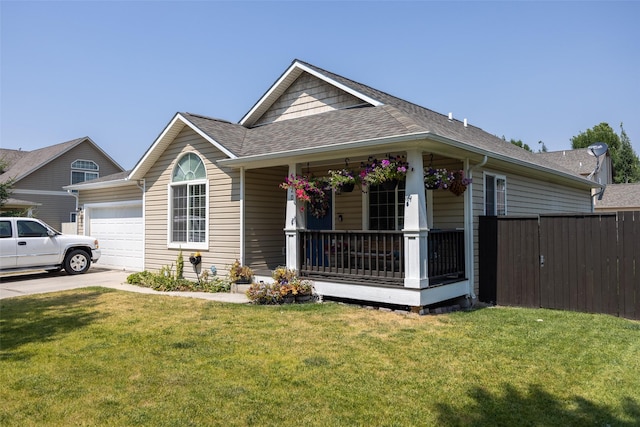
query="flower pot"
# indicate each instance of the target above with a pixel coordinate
(457, 188)
(288, 299)
(303, 298)
(389, 185)
(347, 188)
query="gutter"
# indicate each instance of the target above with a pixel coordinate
(260, 159)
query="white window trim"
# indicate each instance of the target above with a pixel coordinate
(187, 245)
(85, 169)
(495, 194)
(367, 214)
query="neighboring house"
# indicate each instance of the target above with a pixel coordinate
(583, 163)
(212, 186)
(620, 197)
(40, 175)
(614, 197)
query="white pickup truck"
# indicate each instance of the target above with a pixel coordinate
(28, 244)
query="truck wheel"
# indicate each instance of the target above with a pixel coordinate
(77, 261)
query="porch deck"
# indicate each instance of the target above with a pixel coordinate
(377, 257)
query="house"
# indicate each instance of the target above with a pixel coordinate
(40, 175)
(619, 197)
(582, 162)
(611, 198)
(213, 186)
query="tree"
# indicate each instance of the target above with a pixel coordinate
(518, 143)
(623, 160)
(543, 148)
(5, 187)
(629, 164)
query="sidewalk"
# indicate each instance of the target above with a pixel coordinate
(38, 282)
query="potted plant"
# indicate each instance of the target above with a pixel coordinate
(386, 172)
(342, 180)
(240, 274)
(437, 178)
(311, 191)
(459, 183)
(292, 288)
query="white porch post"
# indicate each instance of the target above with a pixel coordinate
(294, 220)
(415, 224)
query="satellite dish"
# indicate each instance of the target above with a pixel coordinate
(598, 149)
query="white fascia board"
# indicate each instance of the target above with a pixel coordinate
(259, 160)
(162, 140)
(297, 68)
(208, 138)
(136, 169)
(247, 161)
(511, 160)
(357, 94)
(101, 184)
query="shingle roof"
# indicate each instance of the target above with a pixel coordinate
(578, 161)
(32, 160)
(395, 117)
(620, 196)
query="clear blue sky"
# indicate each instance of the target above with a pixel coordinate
(118, 71)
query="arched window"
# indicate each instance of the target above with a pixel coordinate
(83, 170)
(189, 201)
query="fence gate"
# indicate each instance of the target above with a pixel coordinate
(582, 262)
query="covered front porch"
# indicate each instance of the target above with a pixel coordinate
(406, 245)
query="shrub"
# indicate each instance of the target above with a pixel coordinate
(166, 281)
(286, 286)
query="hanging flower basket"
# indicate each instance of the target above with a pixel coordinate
(342, 180)
(459, 183)
(435, 179)
(392, 169)
(311, 191)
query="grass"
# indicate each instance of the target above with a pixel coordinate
(103, 357)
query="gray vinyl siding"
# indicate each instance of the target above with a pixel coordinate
(224, 207)
(264, 210)
(349, 207)
(448, 209)
(307, 95)
(526, 196)
(56, 209)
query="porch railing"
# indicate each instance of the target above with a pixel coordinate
(376, 257)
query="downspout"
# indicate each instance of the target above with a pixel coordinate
(242, 216)
(468, 218)
(77, 197)
(142, 185)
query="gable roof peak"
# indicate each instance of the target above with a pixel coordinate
(292, 73)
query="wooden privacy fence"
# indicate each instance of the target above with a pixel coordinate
(578, 262)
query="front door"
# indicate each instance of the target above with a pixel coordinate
(316, 251)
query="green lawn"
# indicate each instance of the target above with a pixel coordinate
(103, 357)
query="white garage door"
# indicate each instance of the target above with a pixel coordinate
(119, 231)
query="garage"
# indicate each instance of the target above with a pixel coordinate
(119, 229)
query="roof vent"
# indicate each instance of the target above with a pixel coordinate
(465, 122)
(450, 116)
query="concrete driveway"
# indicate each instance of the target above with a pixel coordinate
(39, 282)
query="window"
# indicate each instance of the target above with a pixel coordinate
(5, 229)
(495, 195)
(83, 170)
(188, 202)
(386, 207)
(31, 229)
